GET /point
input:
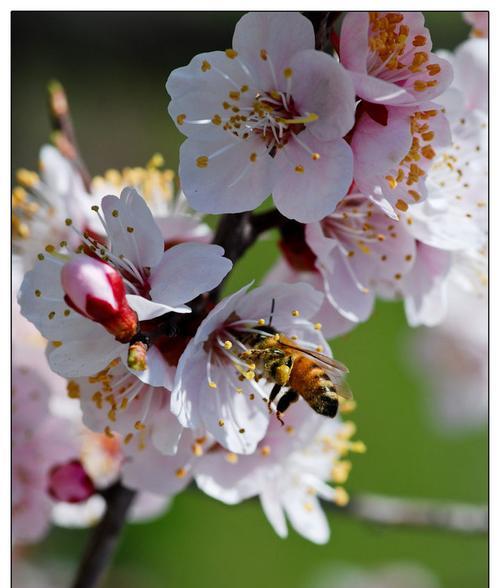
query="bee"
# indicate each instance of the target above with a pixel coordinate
(319, 379)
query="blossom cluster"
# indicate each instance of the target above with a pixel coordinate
(375, 160)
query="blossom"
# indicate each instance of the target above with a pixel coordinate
(357, 248)
(156, 281)
(391, 161)
(289, 471)
(454, 357)
(388, 55)
(479, 21)
(42, 202)
(267, 116)
(218, 391)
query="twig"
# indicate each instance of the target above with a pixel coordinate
(405, 512)
(322, 23)
(63, 135)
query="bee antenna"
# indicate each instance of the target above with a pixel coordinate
(272, 311)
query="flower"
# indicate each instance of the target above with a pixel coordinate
(220, 392)
(357, 248)
(289, 471)
(267, 116)
(391, 161)
(479, 22)
(157, 282)
(41, 203)
(388, 55)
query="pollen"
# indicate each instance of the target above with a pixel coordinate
(216, 119)
(197, 449)
(288, 72)
(265, 451)
(315, 156)
(341, 496)
(220, 422)
(261, 322)
(234, 95)
(231, 457)
(295, 313)
(180, 473)
(319, 349)
(73, 389)
(227, 345)
(263, 54)
(420, 85)
(253, 157)
(205, 66)
(401, 205)
(231, 53)
(317, 326)
(249, 375)
(202, 161)
(212, 385)
(139, 426)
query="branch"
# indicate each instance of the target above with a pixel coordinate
(322, 23)
(406, 512)
(64, 137)
(104, 537)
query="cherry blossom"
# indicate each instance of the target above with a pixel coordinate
(267, 116)
(388, 55)
(157, 282)
(479, 21)
(289, 471)
(392, 160)
(219, 391)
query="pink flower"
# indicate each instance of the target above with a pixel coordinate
(479, 21)
(388, 55)
(289, 471)
(217, 390)
(358, 248)
(392, 160)
(267, 116)
(157, 282)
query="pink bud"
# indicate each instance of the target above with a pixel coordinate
(69, 482)
(96, 290)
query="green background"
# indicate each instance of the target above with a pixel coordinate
(114, 67)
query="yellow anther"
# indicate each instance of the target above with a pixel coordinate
(317, 326)
(299, 169)
(358, 447)
(341, 496)
(249, 375)
(289, 429)
(212, 385)
(27, 178)
(295, 313)
(265, 451)
(231, 53)
(124, 403)
(139, 426)
(216, 119)
(130, 229)
(347, 406)
(180, 119)
(419, 85)
(263, 54)
(311, 117)
(234, 95)
(108, 432)
(57, 344)
(261, 322)
(73, 389)
(68, 222)
(115, 213)
(319, 349)
(391, 181)
(401, 205)
(202, 161)
(205, 66)
(181, 473)
(220, 422)
(231, 457)
(227, 344)
(315, 156)
(197, 449)
(288, 72)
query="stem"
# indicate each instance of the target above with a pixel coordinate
(64, 136)
(406, 512)
(104, 537)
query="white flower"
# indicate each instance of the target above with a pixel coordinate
(267, 116)
(289, 471)
(158, 282)
(218, 391)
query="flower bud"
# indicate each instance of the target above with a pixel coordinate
(96, 290)
(69, 482)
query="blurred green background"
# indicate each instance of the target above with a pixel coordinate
(114, 67)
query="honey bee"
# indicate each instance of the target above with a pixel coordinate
(319, 379)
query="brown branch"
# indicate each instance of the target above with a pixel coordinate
(104, 537)
(406, 512)
(63, 135)
(322, 23)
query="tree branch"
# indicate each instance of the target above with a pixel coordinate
(406, 512)
(104, 537)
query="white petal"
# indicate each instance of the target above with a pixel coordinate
(272, 507)
(187, 270)
(147, 309)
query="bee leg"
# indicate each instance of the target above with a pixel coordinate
(274, 392)
(284, 402)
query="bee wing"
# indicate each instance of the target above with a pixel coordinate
(327, 362)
